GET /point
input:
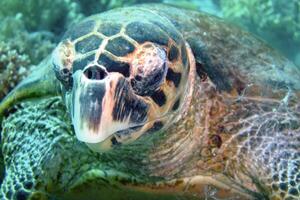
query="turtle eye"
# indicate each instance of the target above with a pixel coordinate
(149, 70)
(65, 77)
(62, 60)
(148, 84)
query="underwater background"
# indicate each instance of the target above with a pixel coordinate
(30, 29)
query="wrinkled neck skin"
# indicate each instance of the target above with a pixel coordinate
(246, 135)
(236, 126)
(177, 143)
(187, 143)
(187, 151)
(229, 137)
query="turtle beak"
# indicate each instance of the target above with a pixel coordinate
(102, 104)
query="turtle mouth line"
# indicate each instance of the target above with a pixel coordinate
(128, 130)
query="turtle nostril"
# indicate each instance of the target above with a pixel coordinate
(95, 73)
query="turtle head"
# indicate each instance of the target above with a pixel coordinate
(117, 88)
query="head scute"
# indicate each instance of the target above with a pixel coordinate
(122, 78)
(149, 69)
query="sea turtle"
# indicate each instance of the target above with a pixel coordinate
(173, 104)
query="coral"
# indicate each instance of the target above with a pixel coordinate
(277, 21)
(14, 66)
(37, 45)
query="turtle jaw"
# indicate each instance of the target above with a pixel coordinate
(100, 108)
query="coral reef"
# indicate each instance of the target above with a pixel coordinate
(19, 51)
(14, 66)
(278, 22)
(36, 26)
(37, 45)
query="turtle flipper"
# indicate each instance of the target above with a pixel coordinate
(275, 145)
(33, 155)
(41, 83)
(266, 150)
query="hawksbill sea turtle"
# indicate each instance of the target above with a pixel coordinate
(172, 104)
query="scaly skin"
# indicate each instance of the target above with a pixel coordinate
(236, 134)
(249, 101)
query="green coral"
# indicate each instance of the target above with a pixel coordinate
(277, 21)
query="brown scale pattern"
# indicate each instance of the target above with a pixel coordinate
(108, 32)
(252, 134)
(252, 105)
